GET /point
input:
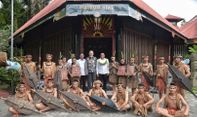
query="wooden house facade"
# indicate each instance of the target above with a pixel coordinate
(122, 28)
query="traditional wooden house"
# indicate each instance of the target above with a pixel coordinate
(173, 19)
(130, 27)
(189, 29)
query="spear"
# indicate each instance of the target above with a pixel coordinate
(39, 63)
(60, 55)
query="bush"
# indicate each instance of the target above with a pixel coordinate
(9, 77)
(193, 49)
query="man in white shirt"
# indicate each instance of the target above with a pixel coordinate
(83, 66)
(102, 69)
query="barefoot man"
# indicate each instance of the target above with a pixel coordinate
(121, 98)
(97, 91)
(49, 68)
(131, 73)
(50, 90)
(184, 69)
(142, 101)
(174, 104)
(63, 83)
(75, 70)
(21, 94)
(30, 66)
(161, 76)
(113, 68)
(146, 69)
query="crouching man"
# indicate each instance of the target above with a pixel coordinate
(142, 101)
(121, 98)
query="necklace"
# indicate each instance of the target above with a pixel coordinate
(102, 61)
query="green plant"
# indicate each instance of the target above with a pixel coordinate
(9, 77)
(193, 49)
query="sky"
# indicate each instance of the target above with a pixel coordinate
(186, 9)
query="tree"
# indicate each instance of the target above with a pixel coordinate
(23, 11)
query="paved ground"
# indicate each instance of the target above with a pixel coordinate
(190, 99)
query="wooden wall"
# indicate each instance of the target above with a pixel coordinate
(138, 44)
(52, 37)
(145, 38)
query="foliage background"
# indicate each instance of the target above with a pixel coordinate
(23, 10)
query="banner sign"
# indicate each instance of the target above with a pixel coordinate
(98, 9)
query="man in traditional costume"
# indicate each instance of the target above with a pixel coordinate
(74, 70)
(49, 88)
(91, 66)
(21, 94)
(182, 68)
(62, 72)
(64, 61)
(142, 101)
(174, 104)
(121, 73)
(97, 91)
(102, 69)
(113, 68)
(146, 70)
(84, 71)
(161, 76)
(132, 69)
(121, 98)
(30, 67)
(48, 68)
(78, 91)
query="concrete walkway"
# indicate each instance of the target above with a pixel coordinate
(190, 99)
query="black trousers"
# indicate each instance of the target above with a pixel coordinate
(104, 79)
(91, 78)
(83, 81)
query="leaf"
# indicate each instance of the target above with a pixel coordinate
(193, 49)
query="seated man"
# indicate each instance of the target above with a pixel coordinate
(50, 90)
(121, 98)
(142, 101)
(21, 94)
(78, 91)
(174, 104)
(97, 91)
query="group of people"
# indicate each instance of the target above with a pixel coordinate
(130, 83)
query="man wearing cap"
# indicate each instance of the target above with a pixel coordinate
(97, 91)
(161, 76)
(146, 69)
(174, 104)
(30, 66)
(142, 101)
(182, 68)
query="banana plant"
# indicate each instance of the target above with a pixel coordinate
(193, 49)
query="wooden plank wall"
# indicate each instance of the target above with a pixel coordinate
(136, 43)
(58, 42)
(51, 37)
